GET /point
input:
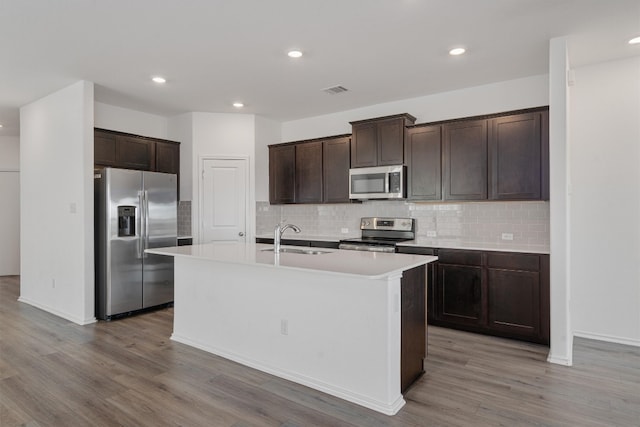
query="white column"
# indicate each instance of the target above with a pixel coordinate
(561, 351)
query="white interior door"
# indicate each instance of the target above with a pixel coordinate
(224, 200)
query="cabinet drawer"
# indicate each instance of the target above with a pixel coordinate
(513, 261)
(451, 256)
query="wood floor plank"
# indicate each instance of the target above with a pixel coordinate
(129, 373)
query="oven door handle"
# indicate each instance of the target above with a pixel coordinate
(366, 248)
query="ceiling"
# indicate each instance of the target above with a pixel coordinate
(215, 52)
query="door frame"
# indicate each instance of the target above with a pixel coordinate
(249, 207)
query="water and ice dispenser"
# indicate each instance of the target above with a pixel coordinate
(126, 221)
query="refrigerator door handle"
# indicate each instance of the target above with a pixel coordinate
(140, 220)
(146, 220)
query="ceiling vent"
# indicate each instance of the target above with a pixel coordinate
(334, 90)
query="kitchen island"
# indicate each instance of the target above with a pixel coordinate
(328, 319)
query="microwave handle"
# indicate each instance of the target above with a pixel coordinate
(387, 182)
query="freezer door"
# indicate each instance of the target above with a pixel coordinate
(120, 251)
(161, 230)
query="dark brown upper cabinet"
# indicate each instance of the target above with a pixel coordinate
(423, 150)
(519, 157)
(379, 141)
(127, 151)
(308, 172)
(282, 171)
(135, 153)
(336, 160)
(167, 157)
(104, 148)
(464, 161)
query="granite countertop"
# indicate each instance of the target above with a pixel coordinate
(369, 265)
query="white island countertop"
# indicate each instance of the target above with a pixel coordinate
(370, 265)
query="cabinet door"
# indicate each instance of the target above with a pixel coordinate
(391, 142)
(104, 151)
(459, 294)
(336, 162)
(514, 301)
(465, 160)
(308, 172)
(515, 157)
(135, 153)
(167, 157)
(364, 145)
(423, 158)
(282, 161)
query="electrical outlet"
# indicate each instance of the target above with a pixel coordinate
(432, 233)
(53, 283)
(507, 236)
(344, 230)
(284, 327)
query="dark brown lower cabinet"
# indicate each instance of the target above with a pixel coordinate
(459, 293)
(497, 293)
(413, 326)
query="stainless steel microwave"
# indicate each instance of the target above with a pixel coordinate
(382, 182)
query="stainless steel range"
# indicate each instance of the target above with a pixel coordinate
(381, 234)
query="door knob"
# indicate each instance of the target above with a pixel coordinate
(241, 234)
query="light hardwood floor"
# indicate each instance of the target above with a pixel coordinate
(127, 372)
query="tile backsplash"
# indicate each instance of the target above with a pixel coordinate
(184, 218)
(469, 224)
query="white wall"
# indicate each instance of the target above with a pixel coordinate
(130, 121)
(222, 135)
(605, 202)
(267, 132)
(492, 98)
(9, 205)
(56, 203)
(180, 128)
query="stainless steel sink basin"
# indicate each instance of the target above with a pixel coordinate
(300, 251)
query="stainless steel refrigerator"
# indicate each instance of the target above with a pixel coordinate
(134, 210)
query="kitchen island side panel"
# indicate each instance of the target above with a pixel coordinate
(340, 335)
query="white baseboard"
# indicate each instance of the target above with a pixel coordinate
(607, 338)
(387, 409)
(559, 360)
(57, 312)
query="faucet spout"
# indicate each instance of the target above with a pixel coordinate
(277, 234)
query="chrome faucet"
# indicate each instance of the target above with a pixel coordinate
(277, 234)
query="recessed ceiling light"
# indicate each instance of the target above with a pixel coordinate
(635, 40)
(159, 79)
(457, 51)
(0, 126)
(238, 104)
(294, 54)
